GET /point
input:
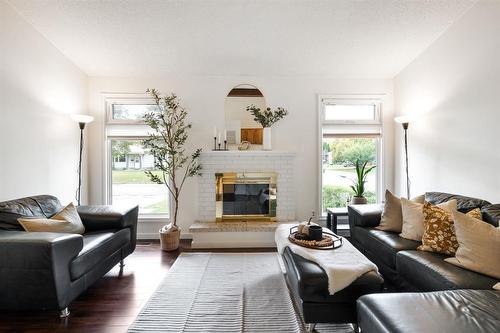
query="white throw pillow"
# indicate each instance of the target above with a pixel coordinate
(392, 216)
(413, 217)
(66, 221)
(478, 245)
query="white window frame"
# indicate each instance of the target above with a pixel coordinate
(132, 126)
(351, 127)
(128, 99)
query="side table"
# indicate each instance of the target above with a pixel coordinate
(331, 217)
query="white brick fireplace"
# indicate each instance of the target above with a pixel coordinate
(207, 233)
(246, 161)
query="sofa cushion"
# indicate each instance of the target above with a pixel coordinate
(97, 246)
(464, 204)
(385, 245)
(429, 272)
(42, 206)
(443, 311)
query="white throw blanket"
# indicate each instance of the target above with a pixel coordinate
(342, 265)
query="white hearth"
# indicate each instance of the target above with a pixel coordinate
(210, 234)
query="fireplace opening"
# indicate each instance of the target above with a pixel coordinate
(246, 196)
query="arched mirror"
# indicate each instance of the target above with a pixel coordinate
(240, 125)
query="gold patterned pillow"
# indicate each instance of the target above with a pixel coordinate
(439, 233)
(475, 213)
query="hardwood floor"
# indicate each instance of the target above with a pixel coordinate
(114, 301)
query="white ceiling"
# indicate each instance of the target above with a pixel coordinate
(341, 38)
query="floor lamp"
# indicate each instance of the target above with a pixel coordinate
(405, 121)
(82, 120)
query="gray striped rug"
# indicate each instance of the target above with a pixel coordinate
(222, 292)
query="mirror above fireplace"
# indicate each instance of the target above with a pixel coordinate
(240, 125)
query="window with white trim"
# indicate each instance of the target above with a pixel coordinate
(350, 131)
(127, 160)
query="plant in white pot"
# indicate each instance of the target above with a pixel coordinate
(166, 143)
(267, 118)
(359, 183)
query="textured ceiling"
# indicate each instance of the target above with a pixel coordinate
(341, 38)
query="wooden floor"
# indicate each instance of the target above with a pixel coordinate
(113, 302)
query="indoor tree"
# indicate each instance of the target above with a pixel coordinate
(166, 143)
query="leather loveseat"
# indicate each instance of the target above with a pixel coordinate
(44, 270)
(399, 261)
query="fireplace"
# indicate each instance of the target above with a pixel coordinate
(246, 196)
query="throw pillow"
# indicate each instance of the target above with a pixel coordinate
(65, 221)
(413, 217)
(439, 233)
(475, 213)
(478, 245)
(392, 216)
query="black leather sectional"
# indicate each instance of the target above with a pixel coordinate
(399, 261)
(443, 297)
(43, 270)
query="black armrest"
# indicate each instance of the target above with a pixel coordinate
(34, 268)
(365, 215)
(107, 217)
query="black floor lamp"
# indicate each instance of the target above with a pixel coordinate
(405, 121)
(82, 120)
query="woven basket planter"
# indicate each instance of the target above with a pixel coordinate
(358, 201)
(169, 239)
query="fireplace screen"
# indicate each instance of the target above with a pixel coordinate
(246, 196)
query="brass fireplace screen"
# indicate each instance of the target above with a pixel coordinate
(246, 196)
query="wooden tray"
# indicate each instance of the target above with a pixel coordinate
(330, 241)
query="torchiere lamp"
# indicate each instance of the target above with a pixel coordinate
(82, 120)
(405, 121)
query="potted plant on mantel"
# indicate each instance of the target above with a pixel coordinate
(359, 183)
(267, 118)
(166, 143)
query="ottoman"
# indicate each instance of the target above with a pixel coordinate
(308, 284)
(451, 311)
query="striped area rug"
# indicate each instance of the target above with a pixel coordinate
(221, 292)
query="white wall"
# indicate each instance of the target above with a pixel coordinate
(455, 146)
(204, 97)
(39, 87)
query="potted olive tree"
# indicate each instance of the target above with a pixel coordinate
(166, 143)
(359, 183)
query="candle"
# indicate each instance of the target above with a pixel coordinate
(215, 131)
(225, 134)
(219, 138)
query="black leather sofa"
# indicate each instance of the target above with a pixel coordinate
(43, 270)
(397, 258)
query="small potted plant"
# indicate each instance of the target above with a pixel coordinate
(166, 143)
(267, 118)
(359, 183)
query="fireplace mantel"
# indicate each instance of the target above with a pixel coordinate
(248, 153)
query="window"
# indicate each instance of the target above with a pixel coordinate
(130, 112)
(350, 131)
(127, 160)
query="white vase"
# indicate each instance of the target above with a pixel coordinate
(266, 140)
